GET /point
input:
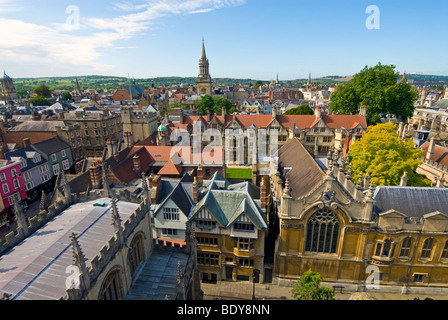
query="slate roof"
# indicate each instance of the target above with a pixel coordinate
(37, 126)
(411, 201)
(50, 146)
(24, 153)
(305, 173)
(36, 268)
(228, 202)
(181, 194)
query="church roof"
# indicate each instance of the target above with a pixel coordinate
(36, 268)
(412, 201)
(305, 173)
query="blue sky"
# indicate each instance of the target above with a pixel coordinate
(255, 39)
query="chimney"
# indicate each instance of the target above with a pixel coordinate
(195, 190)
(200, 174)
(430, 151)
(363, 111)
(208, 116)
(156, 185)
(441, 182)
(404, 180)
(318, 113)
(136, 161)
(26, 142)
(96, 177)
(224, 113)
(274, 112)
(3, 150)
(263, 193)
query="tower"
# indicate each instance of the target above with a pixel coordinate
(8, 90)
(309, 84)
(204, 82)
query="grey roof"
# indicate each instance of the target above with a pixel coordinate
(228, 205)
(37, 126)
(181, 193)
(158, 278)
(411, 201)
(50, 146)
(26, 153)
(36, 268)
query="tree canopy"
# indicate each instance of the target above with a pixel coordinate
(215, 105)
(300, 110)
(308, 288)
(379, 90)
(386, 157)
(43, 91)
(39, 101)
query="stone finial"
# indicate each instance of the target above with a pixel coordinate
(116, 219)
(43, 206)
(180, 273)
(79, 259)
(369, 193)
(286, 190)
(359, 183)
(404, 179)
(22, 222)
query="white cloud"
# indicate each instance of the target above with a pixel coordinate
(59, 46)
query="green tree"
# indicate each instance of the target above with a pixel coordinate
(66, 96)
(220, 101)
(258, 84)
(379, 90)
(43, 91)
(215, 105)
(303, 109)
(39, 101)
(308, 288)
(386, 157)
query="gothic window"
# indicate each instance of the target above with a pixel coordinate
(322, 232)
(405, 247)
(135, 255)
(427, 248)
(111, 289)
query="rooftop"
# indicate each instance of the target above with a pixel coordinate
(35, 269)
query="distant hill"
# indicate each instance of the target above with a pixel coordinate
(112, 82)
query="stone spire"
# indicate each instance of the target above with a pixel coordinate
(116, 221)
(22, 222)
(43, 206)
(404, 180)
(79, 259)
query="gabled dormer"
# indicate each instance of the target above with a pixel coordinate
(391, 220)
(435, 222)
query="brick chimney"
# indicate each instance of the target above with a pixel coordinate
(3, 150)
(156, 186)
(26, 142)
(136, 161)
(96, 177)
(318, 113)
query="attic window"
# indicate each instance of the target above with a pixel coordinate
(157, 156)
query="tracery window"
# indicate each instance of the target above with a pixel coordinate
(111, 289)
(322, 232)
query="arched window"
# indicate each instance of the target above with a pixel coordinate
(111, 289)
(445, 251)
(427, 248)
(135, 255)
(322, 232)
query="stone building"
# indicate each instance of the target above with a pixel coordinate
(8, 89)
(204, 83)
(230, 228)
(346, 231)
(137, 124)
(92, 245)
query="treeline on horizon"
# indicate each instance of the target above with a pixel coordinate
(113, 82)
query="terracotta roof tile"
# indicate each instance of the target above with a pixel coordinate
(440, 153)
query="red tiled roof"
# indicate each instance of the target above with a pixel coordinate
(440, 153)
(170, 169)
(287, 121)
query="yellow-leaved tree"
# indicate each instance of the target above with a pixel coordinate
(386, 157)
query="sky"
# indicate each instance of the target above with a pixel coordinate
(256, 39)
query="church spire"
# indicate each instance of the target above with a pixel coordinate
(204, 56)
